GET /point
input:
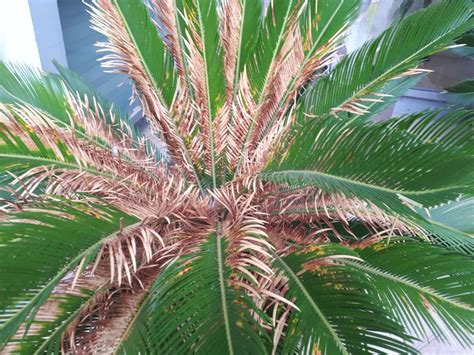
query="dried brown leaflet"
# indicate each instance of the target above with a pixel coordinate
(123, 57)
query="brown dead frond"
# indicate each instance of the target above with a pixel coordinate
(200, 120)
(88, 114)
(123, 57)
(286, 66)
(315, 208)
(183, 108)
(293, 68)
(230, 16)
(102, 325)
(53, 307)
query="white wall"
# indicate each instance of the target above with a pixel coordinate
(30, 33)
(17, 35)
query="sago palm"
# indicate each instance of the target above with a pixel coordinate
(279, 217)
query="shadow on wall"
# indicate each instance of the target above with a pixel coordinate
(82, 56)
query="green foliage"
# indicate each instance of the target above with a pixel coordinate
(192, 308)
(422, 283)
(467, 39)
(339, 311)
(22, 84)
(149, 45)
(40, 246)
(347, 298)
(455, 215)
(382, 163)
(451, 225)
(401, 47)
(462, 93)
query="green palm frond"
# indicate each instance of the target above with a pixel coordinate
(467, 40)
(383, 163)
(48, 92)
(452, 225)
(444, 128)
(358, 78)
(429, 288)
(455, 214)
(22, 84)
(337, 306)
(462, 93)
(449, 237)
(118, 121)
(22, 149)
(210, 317)
(43, 243)
(148, 45)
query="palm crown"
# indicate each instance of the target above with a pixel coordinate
(280, 218)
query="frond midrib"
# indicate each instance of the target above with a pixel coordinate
(220, 264)
(208, 95)
(407, 282)
(360, 183)
(48, 161)
(452, 229)
(315, 307)
(72, 166)
(261, 96)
